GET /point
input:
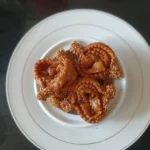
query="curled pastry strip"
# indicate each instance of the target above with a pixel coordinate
(76, 48)
(61, 103)
(44, 70)
(62, 54)
(90, 99)
(115, 72)
(98, 61)
(58, 100)
(52, 77)
(68, 68)
(110, 92)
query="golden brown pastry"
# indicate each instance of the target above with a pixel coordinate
(90, 99)
(98, 61)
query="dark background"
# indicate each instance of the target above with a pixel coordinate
(17, 16)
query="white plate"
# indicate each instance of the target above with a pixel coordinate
(48, 128)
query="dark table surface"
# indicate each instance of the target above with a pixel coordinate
(18, 16)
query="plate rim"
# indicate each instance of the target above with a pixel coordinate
(30, 31)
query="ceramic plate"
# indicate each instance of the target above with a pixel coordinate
(50, 128)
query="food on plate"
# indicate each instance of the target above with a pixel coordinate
(80, 79)
(97, 60)
(52, 75)
(61, 103)
(90, 99)
(76, 48)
